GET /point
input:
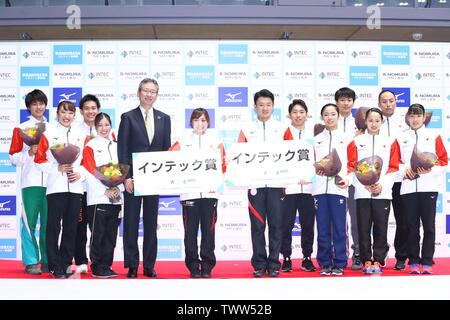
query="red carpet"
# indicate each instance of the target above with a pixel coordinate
(13, 269)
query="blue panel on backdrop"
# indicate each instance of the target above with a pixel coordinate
(8, 248)
(199, 75)
(233, 54)
(402, 95)
(34, 76)
(67, 54)
(233, 96)
(363, 76)
(398, 55)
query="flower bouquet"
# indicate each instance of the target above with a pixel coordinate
(318, 128)
(111, 175)
(425, 160)
(330, 165)
(65, 153)
(32, 135)
(368, 170)
(360, 118)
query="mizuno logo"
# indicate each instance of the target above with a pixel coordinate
(3, 203)
(67, 96)
(233, 96)
(166, 204)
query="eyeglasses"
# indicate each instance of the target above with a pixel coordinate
(149, 91)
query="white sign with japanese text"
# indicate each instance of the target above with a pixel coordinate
(252, 165)
(176, 172)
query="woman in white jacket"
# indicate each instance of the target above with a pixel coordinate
(199, 208)
(373, 202)
(331, 197)
(64, 189)
(420, 189)
(103, 215)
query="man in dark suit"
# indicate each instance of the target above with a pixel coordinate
(142, 129)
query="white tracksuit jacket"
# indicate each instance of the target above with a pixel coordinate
(31, 175)
(58, 181)
(323, 145)
(97, 152)
(368, 145)
(427, 140)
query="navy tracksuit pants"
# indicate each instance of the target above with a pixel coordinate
(332, 242)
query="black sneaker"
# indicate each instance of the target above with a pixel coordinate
(326, 271)
(259, 273)
(400, 265)
(206, 274)
(273, 273)
(356, 263)
(195, 273)
(102, 273)
(337, 271)
(60, 275)
(112, 274)
(307, 265)
(287, 265)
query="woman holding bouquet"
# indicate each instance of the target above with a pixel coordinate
(373, 162)
(199, 209)
(330, 194)
(102, 210)
(424, 159)
(59, 155)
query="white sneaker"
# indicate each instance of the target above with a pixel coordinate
(82, 268)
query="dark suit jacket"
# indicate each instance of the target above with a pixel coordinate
(133, 135)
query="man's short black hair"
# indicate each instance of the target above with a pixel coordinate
(345, 93)
(296, 102)
(89, 97)
(264, 93)
(35, 96)
(384, 91)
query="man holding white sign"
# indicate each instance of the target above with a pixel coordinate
(265, 201)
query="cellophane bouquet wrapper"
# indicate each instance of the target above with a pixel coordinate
(32, 135)
(65, 153)
(368, 170)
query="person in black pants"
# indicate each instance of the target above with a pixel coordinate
(103, 203)
(298, 197)
(143, 129)
(200, 208)
(420, 188)
(265, 201)
(64, 189)
(373, 198)
(393, 125)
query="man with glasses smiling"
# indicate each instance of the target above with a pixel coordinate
(132, 138)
